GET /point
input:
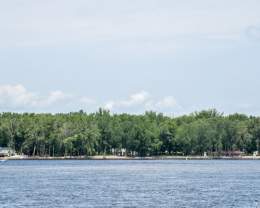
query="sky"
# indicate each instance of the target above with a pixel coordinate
(169, 56)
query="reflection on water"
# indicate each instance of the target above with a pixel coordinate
(130, 183)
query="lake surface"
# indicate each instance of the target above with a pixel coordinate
(158, 183)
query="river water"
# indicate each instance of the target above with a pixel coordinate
(142, 183)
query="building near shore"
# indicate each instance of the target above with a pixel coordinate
(6, 152)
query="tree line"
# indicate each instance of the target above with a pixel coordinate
(103, 133)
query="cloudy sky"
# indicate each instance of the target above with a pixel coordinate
(170, 56)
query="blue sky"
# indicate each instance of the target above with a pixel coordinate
(130, 56)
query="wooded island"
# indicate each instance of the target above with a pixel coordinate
(150, 134)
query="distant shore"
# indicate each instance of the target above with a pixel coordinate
(111, 157)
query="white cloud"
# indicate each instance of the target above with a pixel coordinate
(53, 97)
(110, 105)
(12, 96)
(142, 101)
(18, 98)
(133, 100)
(167, 102)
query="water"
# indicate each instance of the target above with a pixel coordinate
(130, 184)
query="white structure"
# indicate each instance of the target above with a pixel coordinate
(255, 153)
(6, 152)
(205, 154)
(123, 152)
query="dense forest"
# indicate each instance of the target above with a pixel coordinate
(103, 133)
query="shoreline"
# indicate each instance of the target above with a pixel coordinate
(134, 158)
